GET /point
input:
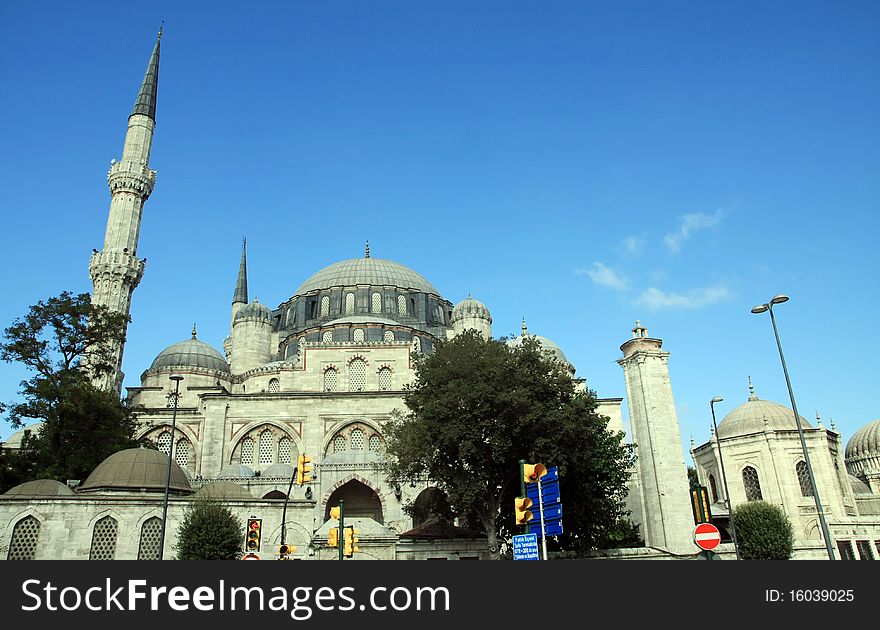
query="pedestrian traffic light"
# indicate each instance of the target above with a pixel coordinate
(304, 470)
(522, 515)
(334, 513)
(351, 540)
(284, 551)
(252, 537)
(333, 537)
(533, 472)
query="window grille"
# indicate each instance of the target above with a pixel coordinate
(247, 451)
(357, 440)
(330, 380)
(416, 344)
(327, 337)
(285, 448)
(182, 452)
(164, 442)
(752, 485)
(173, 400)
(388, 336)
(357, 375)
(384, 379)
(401, 304)
(267, 441)
(151, 530)
(349, 303)
(376, 303)
(375, 444)
(325, 306)
(358, 335)
(104, 539)
(804, 479)
(339, 444)
(274, 386)
(25, 536)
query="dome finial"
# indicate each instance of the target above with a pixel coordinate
(751, 390)
(525, 329)
(194, 330)
(368, 249)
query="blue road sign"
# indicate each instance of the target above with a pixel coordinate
(551, 505)
(525, 547)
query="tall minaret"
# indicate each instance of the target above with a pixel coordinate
(668, 521)
(116, 270)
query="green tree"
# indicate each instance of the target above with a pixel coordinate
(81, 424)
(763, 531)
(478, 406)
(693, 479)
(210, 531)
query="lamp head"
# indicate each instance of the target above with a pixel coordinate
(779, 299)
(176, 377)
(760, 308)
(716, 399)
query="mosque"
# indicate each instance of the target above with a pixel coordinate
(321, 373)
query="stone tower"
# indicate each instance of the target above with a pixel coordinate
(667, 518)
(116, 270)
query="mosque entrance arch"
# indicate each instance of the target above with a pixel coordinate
(431, 504)
(361, 501)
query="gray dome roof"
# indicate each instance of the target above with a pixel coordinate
(254, 310)
(223, 490)
(750, 418)
(858, 486)
(191, 353)
(137, 469)
(547, 346)
(865, 441)
(278, 470)
(16, 438)
(234, 471)
(369, 271)
(469, 307)
(40, 488)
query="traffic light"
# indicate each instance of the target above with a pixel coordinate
(351, 540)
(700, 505)
(521, 510)
(533, 472)
(284, 551)
(334, 513)
(252, 537)
(333, 537)
(304, 470)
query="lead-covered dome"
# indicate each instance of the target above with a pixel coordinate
(549, 347)
(40, 488)
(191, 353)
(254, 310)
(755, 415)
(366, 271)
(865, 442)
(137, 469)
(469, 307)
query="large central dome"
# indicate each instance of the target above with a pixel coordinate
(369, 271)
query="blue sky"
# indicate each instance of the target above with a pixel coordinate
(582, 165)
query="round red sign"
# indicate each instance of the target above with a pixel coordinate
(250, 556)
(707, 536)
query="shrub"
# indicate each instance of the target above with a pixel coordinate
(210, 531)
(763, 531)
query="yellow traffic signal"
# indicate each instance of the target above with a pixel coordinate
(252, 536)
(334, 513)
(284, 551)
(533, 472)
(333, 537)
(304, 470)
(351, 540)
(521, 510)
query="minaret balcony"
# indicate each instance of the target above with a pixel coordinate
(131, 177)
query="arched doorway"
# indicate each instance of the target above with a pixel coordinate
(431, 504)
(361, 501)
(275, 494)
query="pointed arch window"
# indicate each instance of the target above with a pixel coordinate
(183, 452)
(247, 451)
(25, 536)
(358, 335)
(803, 476)
(349, 303)
(357, 375)
(104, 539)
(267, 444)
(713, 489)
(357, 440)
(376, 303)
(331, 378)
(401, 304)
(339, 444)
(151, 530)
(388, 336)
(384, 379)
(325, 305)
(164, 442)
(285, 450)
(752, 484)
(274, 386)
(375, 444)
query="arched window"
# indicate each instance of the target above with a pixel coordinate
(388, 336)
(164, 442)
(325, 305)
(416, 344)
(384, 379)
(183, 452)
(357, 375)
(151, 530)
(291, 316)
(173, 400)
(104, 539)
(401, 304)
(358, 335)
(752, 485)
(375, 444)
(247, 451)
(804, 479)
(285, 450)
(349, 303)
(713, 489)
(338, 444)
(274, 386)
(267, 443)
(327, 337)
(357, 440)
(25, 536)
(330, 379)
(376, 303)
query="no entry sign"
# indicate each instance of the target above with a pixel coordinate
(707, 536)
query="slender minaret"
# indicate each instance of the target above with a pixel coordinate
(116, 270)
(668, 521)
(240, 297)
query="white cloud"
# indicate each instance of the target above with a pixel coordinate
(657, 300)
(633, 245)
(689, 224)
(604, 276)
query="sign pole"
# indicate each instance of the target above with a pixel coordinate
(541, 511)
(341, 536)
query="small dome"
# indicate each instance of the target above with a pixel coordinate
(865, 442)
(755, 415)
(137, 469)
(366, 271)
(547, 346)
(236, 471)
(858, 486)
(40, 488)
(254, 310)
(191, 353)
(223, 490)
(469, 307)
(16, 438)
(278, 470)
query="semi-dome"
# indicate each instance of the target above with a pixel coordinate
(469, 307)
(223, 490)
(254, 310)
(191, 353)
(366, 271)
(755, 415)
(865, 442)
(137, 469)
(40, 488)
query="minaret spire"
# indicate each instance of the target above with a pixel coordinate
(116, 270)
(241, 292)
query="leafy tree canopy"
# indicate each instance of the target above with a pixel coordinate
(479, 406)
(210, 531)
(763, 531)
(81, 424)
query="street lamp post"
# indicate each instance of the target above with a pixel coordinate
(724, 478)
(176, 378)
(761, 308)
